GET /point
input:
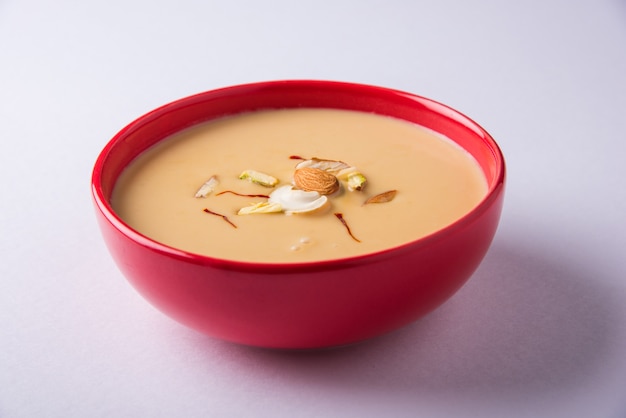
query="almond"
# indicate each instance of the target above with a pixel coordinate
(382, 197)
(314, 179)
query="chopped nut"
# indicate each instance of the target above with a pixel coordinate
(259, 178)
(208, 187)
(356, 181)
(262, 207)
(382, 197)
(299, 201)
(331, 166)
(315, 179)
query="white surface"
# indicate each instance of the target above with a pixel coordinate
(539, 331)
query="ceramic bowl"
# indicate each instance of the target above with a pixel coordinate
(312, 304)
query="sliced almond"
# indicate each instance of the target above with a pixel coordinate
(314, 179)
(331, 166)
(208, 187)
(382, 197)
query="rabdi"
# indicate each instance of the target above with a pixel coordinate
(298, 185)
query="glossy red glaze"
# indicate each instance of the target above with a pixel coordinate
(307, 305)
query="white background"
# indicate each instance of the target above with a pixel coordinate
(539, 331)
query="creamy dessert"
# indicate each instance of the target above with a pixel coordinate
(296, 185)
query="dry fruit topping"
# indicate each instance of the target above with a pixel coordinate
(293, 200)
(208, 187)
(259, 178)
(315, 182)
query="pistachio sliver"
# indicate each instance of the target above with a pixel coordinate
(356, 181)
(261, 207)
(353, 177)
(208, 187)
(259, 178)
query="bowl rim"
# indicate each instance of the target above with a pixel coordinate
(102, 205)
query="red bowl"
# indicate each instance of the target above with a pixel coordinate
(310, 304)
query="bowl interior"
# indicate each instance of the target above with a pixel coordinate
(171, 118)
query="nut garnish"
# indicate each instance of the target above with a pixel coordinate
(382, 197)
(207, 187)
(332, 166)
(316, 182)
(356, 181)
(344, 172)
(314, 179)
(293, 200)
(354, 178)
(262, 207)
(259, 178)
